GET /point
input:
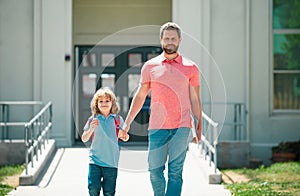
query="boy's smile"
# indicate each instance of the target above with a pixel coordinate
(104, 105)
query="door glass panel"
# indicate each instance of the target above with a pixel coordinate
(133, 83)
(108, 60)
(135, 59)
(88, 59)
(89, 84)
(151, 55)
(108, 80)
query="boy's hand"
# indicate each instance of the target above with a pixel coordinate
(95, 123)
(123, 135)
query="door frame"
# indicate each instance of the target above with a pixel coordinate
(126, 62)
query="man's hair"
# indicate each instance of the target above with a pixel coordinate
(170, 26)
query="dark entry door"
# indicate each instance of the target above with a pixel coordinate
(117, 67)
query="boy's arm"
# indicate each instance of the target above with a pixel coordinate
(87, 133)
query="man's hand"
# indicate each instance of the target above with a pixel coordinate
(199, 130)
(198, 133)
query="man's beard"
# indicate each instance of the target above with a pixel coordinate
(170, 51)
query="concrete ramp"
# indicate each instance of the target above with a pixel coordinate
(68, 171)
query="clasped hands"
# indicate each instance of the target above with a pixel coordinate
(123, 133)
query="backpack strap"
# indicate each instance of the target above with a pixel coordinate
(117, 123)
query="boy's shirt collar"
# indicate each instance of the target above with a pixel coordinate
(101, 116)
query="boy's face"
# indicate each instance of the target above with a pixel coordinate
(104, 104)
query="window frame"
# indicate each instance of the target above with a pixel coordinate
(272, 72)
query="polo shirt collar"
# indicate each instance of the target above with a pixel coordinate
(178, 59)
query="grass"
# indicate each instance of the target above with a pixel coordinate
(278, 179)
(6, 171)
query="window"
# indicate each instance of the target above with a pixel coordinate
(133, 81)
(286, 55)
(108, 80)
(89, 84)
(88, 59)
(107, 60)
(135, 59)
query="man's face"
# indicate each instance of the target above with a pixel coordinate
(170, 41)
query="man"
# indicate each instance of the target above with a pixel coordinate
(175, 93)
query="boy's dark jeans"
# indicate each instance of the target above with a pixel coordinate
(102, 177)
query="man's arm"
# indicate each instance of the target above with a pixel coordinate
(196, 108)
(136, 104)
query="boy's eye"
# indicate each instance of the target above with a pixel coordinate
(106, 101)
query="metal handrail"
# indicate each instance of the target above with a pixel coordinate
(36, 134)
(210, 144)
(5, 108)
(36, 130)
(236, 119)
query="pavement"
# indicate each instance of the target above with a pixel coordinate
(68, 170)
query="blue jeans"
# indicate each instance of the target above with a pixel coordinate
(104, 177)
(171, 145)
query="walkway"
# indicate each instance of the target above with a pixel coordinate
(67, 175)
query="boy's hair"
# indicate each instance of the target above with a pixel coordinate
(170, 26)
(104, 92)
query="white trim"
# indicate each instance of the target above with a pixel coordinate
(247, 63)
(76, 94)
(296, 71)
(271, 59)
(263, 144)
(285, 31)
(68, 67)
(37, 49)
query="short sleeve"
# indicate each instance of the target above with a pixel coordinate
(145, 74)
(195, 76)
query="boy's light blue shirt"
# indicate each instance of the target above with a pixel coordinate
(105, 149)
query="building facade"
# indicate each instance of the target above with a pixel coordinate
(244, 48)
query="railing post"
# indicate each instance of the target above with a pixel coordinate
(26, 150)
(215, 147)
(2, 128)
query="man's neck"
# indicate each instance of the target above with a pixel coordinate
(171, 56)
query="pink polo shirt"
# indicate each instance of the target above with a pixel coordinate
(169, 86)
